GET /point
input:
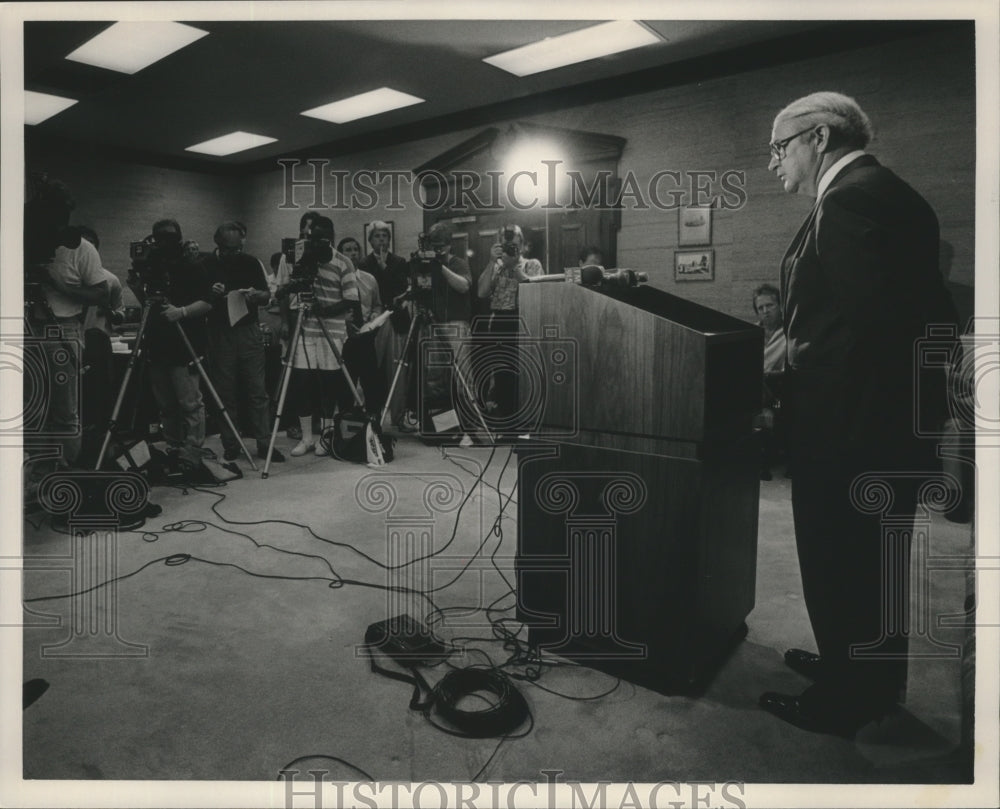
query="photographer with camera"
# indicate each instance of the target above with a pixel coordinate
(322, 279)
(498, 283)
(439, 287)
(179, 292)
(63, 276)
(236, 346)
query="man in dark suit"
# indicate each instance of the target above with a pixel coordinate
(861, 284)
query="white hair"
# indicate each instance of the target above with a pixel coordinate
(844, 116)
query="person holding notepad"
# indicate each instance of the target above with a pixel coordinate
(236, 346)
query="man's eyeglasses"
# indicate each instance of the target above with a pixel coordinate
(778, 146)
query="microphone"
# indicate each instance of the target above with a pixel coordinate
(593, 275)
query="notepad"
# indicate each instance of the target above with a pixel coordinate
(237, 307)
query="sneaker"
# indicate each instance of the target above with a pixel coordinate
(276, 456)
(301, 449)
(321, 449)
(232, 454)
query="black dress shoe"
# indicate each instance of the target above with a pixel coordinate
(836, 718)
(805, 663)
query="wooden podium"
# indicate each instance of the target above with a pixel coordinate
(638, 492)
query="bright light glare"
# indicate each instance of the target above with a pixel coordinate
(545, 161)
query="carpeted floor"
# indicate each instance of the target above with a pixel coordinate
(229, 647)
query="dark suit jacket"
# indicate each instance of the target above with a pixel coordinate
(860, 284)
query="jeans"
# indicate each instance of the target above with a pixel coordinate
(177, 391)
(237, 361)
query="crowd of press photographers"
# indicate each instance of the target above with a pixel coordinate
(243, 317)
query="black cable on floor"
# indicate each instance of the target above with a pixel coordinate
(354, 767)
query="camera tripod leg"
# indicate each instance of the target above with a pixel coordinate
(133, 360)
(336, 352)
(472, 399)
(402, 361)
(215, 394)
(376, 447)
(286, 373)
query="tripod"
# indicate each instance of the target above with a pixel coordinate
(147, 308)
(420, 318)
(305, 310)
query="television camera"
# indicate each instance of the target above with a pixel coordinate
(152, 259)
(508, 242)
(306, 255)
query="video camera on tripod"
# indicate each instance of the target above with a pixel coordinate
(425, 263)
(307, 254)
(151, 262)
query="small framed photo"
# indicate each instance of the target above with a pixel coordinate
(694, 265)
(694, 226)
(392, 236)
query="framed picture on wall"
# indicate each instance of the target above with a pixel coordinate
(392, 236)
(694, 226)
(694, 265)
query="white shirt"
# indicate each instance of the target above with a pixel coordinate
(831, 173)
(80, 268)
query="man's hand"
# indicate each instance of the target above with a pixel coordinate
(496, 251)
(218, 288)
(380, 257)
(172, 313)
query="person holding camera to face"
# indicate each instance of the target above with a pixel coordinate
(180, 292)
(236, 345)
(324, 280)
(498, 283)
(440, 287)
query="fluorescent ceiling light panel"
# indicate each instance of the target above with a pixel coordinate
(578, 46)
(39, 107)
(128, 47)
(230, 144)
(363, 106)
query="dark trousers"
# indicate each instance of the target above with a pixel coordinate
(237, 357)
(362, 363)
(500, 354)
(313, 391)
(855, 575)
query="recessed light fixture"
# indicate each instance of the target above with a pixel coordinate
(364, 105)
(230, 144)
(578, 46)
(39, 107)
(128, 47)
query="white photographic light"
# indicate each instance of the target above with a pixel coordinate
(570, 49)
(364, 105)
(128, 47)
(230, 144)
(39, 107)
